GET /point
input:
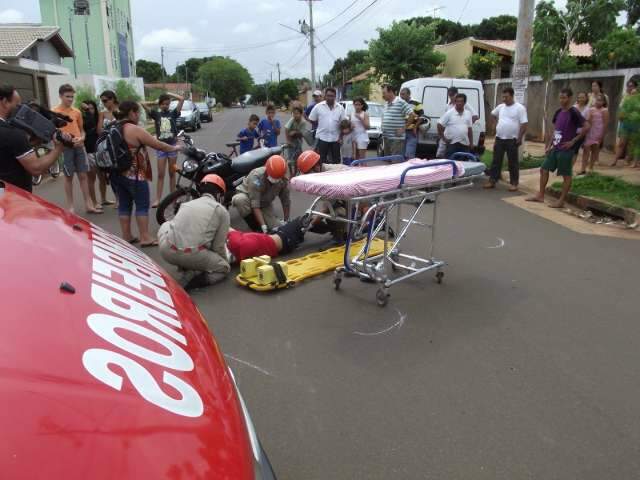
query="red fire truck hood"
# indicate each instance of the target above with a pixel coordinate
(119, 380)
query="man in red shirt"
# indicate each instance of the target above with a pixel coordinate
(283, 240)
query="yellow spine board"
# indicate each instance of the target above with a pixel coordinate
(260, 276)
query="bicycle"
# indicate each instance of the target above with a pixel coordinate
(54, 170)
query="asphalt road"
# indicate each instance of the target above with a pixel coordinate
(523, 364)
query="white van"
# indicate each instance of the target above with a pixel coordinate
(432, 93)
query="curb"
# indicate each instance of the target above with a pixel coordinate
(629, 215)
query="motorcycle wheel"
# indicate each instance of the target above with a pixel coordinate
(36, 180)
(54, 170)
(169, 205)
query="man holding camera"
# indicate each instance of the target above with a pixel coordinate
(18, 159)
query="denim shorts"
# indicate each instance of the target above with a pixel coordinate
(130, 192)
(160, 154)
(75, 161)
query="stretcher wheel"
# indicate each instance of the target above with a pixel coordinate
(439, 277)
(382, 297)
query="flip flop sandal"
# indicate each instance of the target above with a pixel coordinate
(95, 212)
(149, 245)
(108, 202)
(133, 241)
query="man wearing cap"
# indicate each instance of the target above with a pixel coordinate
(310, 134)
(257, 193)
(195, 240)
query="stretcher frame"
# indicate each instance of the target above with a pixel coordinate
(375, 222)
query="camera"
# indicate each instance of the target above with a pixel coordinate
(40, 123)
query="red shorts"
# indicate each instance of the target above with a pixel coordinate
(246, 245)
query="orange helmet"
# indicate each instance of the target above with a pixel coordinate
(307, 160)
(276, 166)
(216, 180)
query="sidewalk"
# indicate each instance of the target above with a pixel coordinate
(536, 149)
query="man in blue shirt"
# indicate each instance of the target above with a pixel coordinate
(269, 127)
(249, 134)
(317, 98)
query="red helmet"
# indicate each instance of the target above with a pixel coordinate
(276, 166)
(307, 160)
(216, 180)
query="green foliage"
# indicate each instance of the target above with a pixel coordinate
(595, 18)
(151, 72)
(226, 78)
(446, 30)
(610, 189)
(125, 91)
(84, 93)
(619, 49)
(190, 70)
(154, 93)
(286, 91)
(632, 8)
(502, 27)
(481, 65)
(405, 51)
(360, 89)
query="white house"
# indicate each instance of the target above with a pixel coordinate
(34, 47)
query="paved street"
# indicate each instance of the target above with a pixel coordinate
(522, 364)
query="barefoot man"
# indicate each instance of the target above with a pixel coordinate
(560, 147)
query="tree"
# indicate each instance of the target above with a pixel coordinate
(84, 92)
(151, 72)
(125, 91)
(360, 90)
(188, 72)
(355, 62)
(481, 65)
(596, 18)
(619, 49)
(446, 30)
(632, 8)
(405, 51)
(502, 27)
(226, 78)
(287, 91)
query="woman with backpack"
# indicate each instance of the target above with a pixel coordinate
(90, 118)
(132, 184)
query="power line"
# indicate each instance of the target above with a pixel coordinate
(338, 15)
(464, 9)
(359, 14)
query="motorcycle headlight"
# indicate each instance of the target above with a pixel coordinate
(189, 165)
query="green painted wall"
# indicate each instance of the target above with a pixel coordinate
(94, 55)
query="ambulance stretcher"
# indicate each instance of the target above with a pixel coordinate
(374, 197)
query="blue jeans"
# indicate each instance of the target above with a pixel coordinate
(130, 191)
(410, 145)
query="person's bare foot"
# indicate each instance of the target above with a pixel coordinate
(513, 188)
(557, 204)
(615, 162)
(489, 185)
(535, 198)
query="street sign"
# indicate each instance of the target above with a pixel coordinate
(520, 81)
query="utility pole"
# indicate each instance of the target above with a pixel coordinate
(309, 30)
(524, 42)
(164, 79)
(73, 46)
(278, 65)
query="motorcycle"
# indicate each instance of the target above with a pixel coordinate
(198, 163)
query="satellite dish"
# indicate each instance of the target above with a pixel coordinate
(81, 7)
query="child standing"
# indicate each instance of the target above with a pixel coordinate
(246, 136)
(347, 148)
(294, 131)
(166, 132)
(598, 118)
(269, 127)
(75, 158)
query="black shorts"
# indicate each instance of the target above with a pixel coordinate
(291, 234)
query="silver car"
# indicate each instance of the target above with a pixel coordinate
(375, 119)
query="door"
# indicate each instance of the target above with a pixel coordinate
(434, 102)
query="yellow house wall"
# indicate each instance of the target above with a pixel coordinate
(457, 53)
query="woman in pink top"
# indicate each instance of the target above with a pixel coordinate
(598, 118)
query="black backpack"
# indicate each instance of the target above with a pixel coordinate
(112, 151)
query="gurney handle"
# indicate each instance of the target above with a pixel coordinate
(390, 159)
(430, 164)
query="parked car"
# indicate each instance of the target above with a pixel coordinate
(108, 369)
(432, 93)
(189, 116)
(205, 112)
(375, 119)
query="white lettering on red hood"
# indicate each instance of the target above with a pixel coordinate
(133, 297)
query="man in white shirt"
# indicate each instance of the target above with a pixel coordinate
(510, 130)
(454, 128)
(328, 115)
(452, 92)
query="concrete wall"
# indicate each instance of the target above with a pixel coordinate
(613, 85)
(457, 53)
(47, 53)
(29, 84)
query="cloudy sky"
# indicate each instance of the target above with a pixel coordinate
(239, 29)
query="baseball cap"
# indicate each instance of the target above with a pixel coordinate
(317, 93)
